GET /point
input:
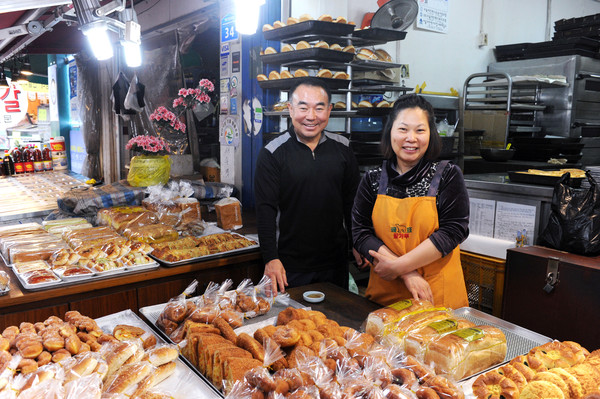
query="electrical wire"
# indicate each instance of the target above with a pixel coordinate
(149, 8)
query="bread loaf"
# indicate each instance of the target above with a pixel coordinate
(378, 319)
(322, 44)
(324, 73)
(335, 47)
(466, 351)
(416, 341)
(326, 18)
(341, 75)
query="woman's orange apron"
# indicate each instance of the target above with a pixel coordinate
(404, 223)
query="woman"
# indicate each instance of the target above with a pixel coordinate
(411, 213)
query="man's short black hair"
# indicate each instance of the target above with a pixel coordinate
(311, 81)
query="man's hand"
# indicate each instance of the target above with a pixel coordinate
(361, 261)
(276, 272)
(418, 286)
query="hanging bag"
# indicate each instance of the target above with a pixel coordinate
(574, 224)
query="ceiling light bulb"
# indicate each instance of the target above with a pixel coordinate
(247, 15)
(26, 68)
(97, 35)
(133, 54)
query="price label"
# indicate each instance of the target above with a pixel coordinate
(228, 32)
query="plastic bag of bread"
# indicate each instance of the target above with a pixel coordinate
(121, 217)
(176, 310)
(86, 387)
(45, 382)
(416, 340)
(378, 319)
(395, 332)
(152, 233)
(4, 282)
(467, 351)
(229, 213)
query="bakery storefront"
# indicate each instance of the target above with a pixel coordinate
(130, 261)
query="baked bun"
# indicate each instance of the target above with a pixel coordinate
(383, 55)
(322, 44)
(339, 105)
(302, 44)
(305, 17)
(270, 50)
(349, 49)
(278, 24)
(366, 54)
(292, 21)
(286, 47)
(300, 73)
(286, 74)
(274, 75)
(335, 47)
(341, 75)
(267, 27)
(324, 73)
(365, 104)
(354, 104)
(383, 104)
(325, 18)
(280, 106)
(341, 20)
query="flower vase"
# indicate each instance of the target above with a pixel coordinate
(149, 170)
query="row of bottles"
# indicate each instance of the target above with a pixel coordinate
(30, 160)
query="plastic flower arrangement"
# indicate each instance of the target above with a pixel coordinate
(148, 145)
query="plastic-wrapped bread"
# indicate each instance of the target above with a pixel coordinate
(466, 351)
(151, 233)
(229, 213)
(416, 341)
(378, 319)
(396, 332)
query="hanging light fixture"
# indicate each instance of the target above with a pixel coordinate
(26, 67)
(94, 28)
(247, 14)
(3, 81)
(131, 40)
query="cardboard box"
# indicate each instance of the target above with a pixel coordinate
(492, 122)
(210, 174)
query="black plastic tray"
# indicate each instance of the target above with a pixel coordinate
(365, 137)
(312, 27)
(528, 178)
(377, 35)
(285, 84)
(315, 53)
(374, 111)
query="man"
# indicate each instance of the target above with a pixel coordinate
(304, 184)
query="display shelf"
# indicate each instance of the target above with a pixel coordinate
(314, 54)
(334, 113)
(286, 84)
(309, 31)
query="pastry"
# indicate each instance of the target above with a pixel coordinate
(335, 47)
(325, 18)
(278, 24)
(383, 55)
(261, 77)
(541, 390)
(383, 104)
(365, 104)
(270, 50)
(324, 73)
(339, 105)
(274, 75)
(341, 75)
(286, 48)
(302, 44)
(574, 387)
(366, 54)
(349, 49)
(341, 20)
(554, 379)
(300, 73)
(494, 385)
(286, 75)
(322, 44)
(267, 27)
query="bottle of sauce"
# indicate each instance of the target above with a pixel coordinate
(8, 167)
(28, 159)
(38, 163)
(47, 158)
(18, 161)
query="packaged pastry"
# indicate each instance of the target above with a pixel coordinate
(4, 282)
(395, 332)
(40, 277)
(153, 233)
(378, 319)
(189, 210)
(229, 213)
(121, 217)
(25, 267)
(416, 341)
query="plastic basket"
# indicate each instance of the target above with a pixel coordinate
(484, 278)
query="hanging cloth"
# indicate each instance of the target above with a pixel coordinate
(119, 92)
(134, 100)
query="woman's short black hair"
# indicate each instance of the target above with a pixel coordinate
(411, 101)
(311, 81)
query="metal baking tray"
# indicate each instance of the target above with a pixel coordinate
(307, 28)
(212, 256)
(315, 54)
(376, 36)
(372, 65)
(529, 178)
(519, 340)
(184, 383)
(286, 84)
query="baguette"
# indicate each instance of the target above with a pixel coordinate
(127, 376)
(160, 374)
(467, 351)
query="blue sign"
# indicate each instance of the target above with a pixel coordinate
(228, 32)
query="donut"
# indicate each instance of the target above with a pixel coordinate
(27, 366)
(331, 364)
(291, 376)
(299, 353)
(575, 389)
(554, 379)
(286, 336)
(285, 316)
(522, 365)
(279, 364)
(403, 376)
(541, 389)
(281, 386)
(263, 306)
(341, 341)
(298, 325)
(260, 378)
(305, 339)
(226, 330)
(396, 392)
(514, 375)
(492, 385)
(426, 393)
(300, 394)
(316, 335)
(235, 319)
(247, 342)
(245, 303)
(446, 389)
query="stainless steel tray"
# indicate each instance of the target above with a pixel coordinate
(184, 383)
(212, 256)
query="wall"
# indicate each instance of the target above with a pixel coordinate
(446, 60)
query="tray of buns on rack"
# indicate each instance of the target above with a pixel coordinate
(285, 79)
(306, 25)
(547, 177)
(320, 51)
(379, 108)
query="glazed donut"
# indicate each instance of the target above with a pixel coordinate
(27, 366)
(4, 344)
(260, 378)
(494, 385)
(10, 332)
(514, 375)
(27, 327)
(235, 319)
(286, 336)
(426, 393)
(226, 330)
(44, 358)
(404, 376)
(522, 365)
(445, 388)
(247, 342)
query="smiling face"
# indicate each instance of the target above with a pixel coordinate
(309, 110)
(410, 137)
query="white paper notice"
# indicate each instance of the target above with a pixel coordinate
(228, 164)
(481, 219)
(511, 218)
(433, 15)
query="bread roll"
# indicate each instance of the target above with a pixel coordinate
(466, 351)
(299, 73)
(305, 17)
(341, 75)
(383, 104)
(324, 73)
(339, 105)
(322, 44)
(349, 49)
(354, 104)
(366, 54)
(128, 376)
(292, 21)
(341, 20)
(302, 44)
(286, 75)
(270, 50)
(278, 24)
(335, 47)
(267, 27)
(274, 75)
(286, 48)
(383, 55)
(325, 18)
